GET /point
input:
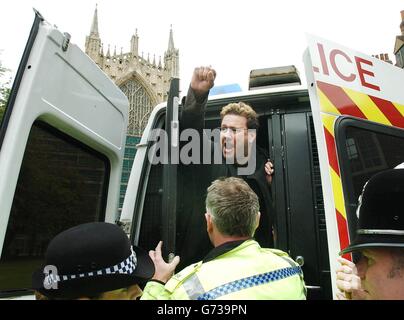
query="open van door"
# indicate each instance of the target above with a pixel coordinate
(357, 103)
(61, 148)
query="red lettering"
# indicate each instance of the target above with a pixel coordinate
(322, 58)
(333, 54)
(362, 72)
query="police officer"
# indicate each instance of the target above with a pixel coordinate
(379, 273)
(92, 261)
(237, 267)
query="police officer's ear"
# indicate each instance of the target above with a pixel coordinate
(209, 223)
(257, 219)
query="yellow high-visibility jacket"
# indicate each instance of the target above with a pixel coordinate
(245, 271)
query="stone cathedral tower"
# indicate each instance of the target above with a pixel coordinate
(399, 45)
(144, 80)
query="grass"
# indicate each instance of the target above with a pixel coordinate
(17, 274)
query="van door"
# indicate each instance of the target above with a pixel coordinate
(61, 149)
(358, 112)
(169, 204)
(299, 202)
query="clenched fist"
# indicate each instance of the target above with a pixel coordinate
(203, 80)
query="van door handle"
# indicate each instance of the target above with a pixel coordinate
(300, 260)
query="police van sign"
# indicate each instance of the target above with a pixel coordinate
(343, 82)
(338, 65)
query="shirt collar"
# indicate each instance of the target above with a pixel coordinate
(222, 249)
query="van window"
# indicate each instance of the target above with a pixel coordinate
(365, 149)
(149, 212)
(62, 183)
(151, 230)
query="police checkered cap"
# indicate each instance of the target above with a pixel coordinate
(127, 266)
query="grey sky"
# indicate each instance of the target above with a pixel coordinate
(232, 36)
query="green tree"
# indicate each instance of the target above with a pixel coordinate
(4, 89)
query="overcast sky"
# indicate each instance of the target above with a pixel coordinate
(231, 35)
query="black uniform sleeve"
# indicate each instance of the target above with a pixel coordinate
(193, 111)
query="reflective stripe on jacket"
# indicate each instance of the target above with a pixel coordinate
(245, 272)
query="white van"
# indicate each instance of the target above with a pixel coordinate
(62, 142)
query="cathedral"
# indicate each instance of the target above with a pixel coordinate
(144, 81)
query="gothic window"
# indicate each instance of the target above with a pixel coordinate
(140, 106)
(400, 57)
